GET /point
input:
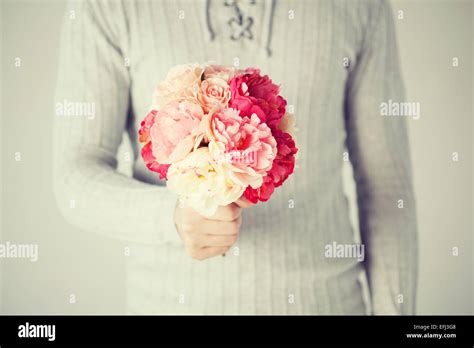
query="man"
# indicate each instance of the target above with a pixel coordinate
(336, 61)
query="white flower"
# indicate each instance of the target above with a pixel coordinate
(204, 184)
(181, 83)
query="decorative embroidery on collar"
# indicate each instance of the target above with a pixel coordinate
(241, 24)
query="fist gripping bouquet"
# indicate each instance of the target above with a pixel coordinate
(217, 134)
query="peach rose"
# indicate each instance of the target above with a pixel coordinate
(175, 131)
(287, 124)
(213, 93)
(181, 83)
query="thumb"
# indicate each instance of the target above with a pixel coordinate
(243, 202)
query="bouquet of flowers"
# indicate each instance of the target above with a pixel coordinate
(217, 134)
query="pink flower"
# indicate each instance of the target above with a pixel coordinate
(213, 93)
(262, 193)
(252, 93)
(175, 130)
(282, 167)
(244, 143)
(147, 155)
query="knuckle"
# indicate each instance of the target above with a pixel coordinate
(191, 240)
(200, 257)
(191, 246)
(186, 227)
(188, 241)
(195, 254)
(194, 243)
(232, 239)
(235, 212)
(234, 229)
(188, 249)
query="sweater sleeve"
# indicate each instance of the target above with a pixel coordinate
(92, 103)
(379, 151)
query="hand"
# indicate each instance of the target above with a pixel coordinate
(206, 237)
(243, 202)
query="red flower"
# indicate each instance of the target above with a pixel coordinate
(283, 166)
(147, 154)
(253, 93)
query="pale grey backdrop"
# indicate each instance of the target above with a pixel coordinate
(90, 267)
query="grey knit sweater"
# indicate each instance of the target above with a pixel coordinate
(336, 61)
